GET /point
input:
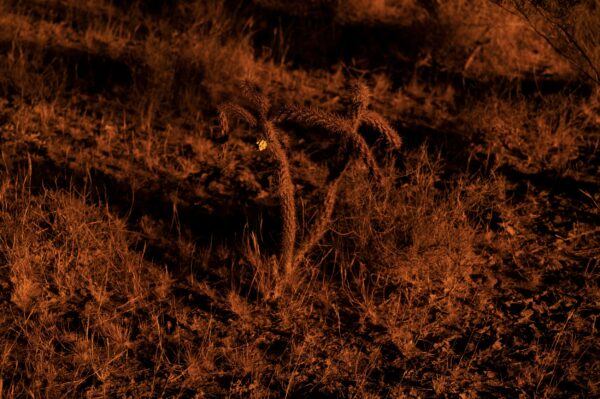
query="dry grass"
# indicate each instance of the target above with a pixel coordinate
(142, 254)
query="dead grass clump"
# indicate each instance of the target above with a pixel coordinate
(529, 140)
(77, 294)
(158, 68)
(405, 255)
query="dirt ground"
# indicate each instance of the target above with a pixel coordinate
(312, 199)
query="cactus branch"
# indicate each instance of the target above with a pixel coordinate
(379, 124)
(229, 110)
(286, 195)
(320, 226)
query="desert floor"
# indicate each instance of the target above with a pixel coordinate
(147, 149)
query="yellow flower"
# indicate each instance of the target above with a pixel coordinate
(262, 144)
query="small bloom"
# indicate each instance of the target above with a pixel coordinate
(262, 144)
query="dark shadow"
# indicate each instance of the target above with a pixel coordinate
(208, 222)
(80, 70)
(317, 41)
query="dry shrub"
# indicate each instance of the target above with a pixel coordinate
(379, 221)
(66, 247)
(572, 28)
(483, 39)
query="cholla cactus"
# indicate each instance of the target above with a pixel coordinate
(348, 127)
(258, 115)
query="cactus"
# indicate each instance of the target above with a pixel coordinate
(258, 114)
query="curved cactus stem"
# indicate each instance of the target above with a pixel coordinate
(320, 226)
(379, 124)
(229, 110)
(286, 194)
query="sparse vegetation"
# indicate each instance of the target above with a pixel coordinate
(399, 200)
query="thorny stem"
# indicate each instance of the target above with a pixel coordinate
(286, 194)
(320, 226)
